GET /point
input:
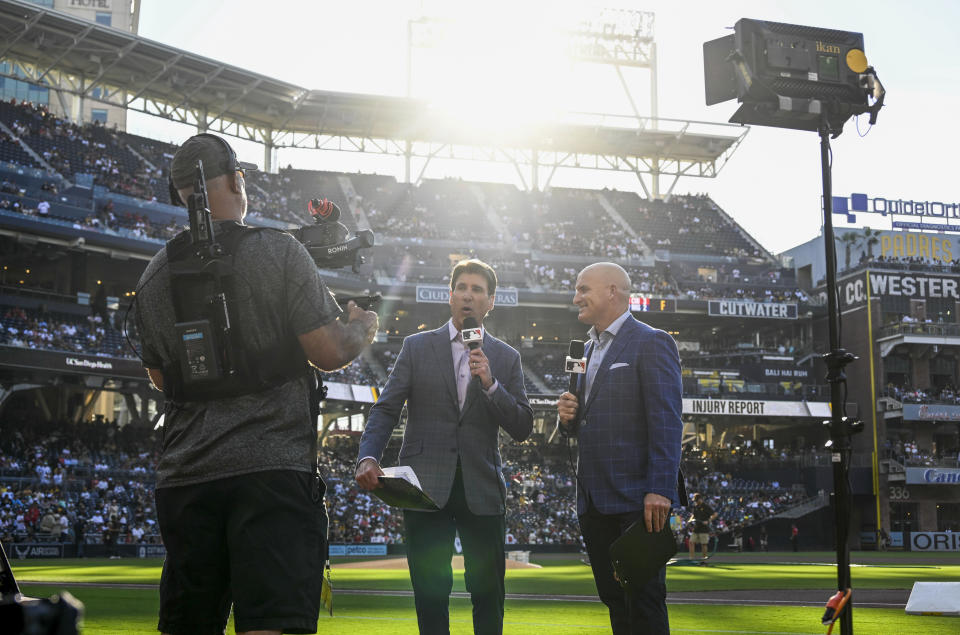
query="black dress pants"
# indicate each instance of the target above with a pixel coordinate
(429, 538)
(641, 612)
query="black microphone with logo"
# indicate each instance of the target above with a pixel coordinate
(472, 335)
(576, 364)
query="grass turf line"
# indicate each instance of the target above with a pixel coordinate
(557, 577)
(125, 611)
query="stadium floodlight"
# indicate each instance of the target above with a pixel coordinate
(791, 76)
(806, 78)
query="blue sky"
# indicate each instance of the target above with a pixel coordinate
(771, 186)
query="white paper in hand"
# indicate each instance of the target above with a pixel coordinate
(405, 472)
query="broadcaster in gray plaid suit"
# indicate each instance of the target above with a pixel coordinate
(458, 400)
(626, 416)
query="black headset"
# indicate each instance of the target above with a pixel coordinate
(231, 165)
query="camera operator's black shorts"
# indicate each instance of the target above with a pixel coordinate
(257, 541)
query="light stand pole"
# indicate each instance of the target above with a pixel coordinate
(841, 427)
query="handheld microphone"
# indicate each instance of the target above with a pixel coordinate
(471, 333)
(472, 337)
(576, 363)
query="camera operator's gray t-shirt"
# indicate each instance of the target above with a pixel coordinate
(279, 290)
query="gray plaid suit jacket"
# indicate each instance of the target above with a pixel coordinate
(437, 432)
(629, 432)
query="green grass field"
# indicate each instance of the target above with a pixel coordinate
(132, 610)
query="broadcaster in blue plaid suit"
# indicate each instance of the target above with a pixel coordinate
(626, 415)
(459, 401)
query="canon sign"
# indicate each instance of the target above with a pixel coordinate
(933, 476)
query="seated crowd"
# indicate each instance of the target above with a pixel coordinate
(95, 334)
(93, 482)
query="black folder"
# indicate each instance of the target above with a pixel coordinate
(638, 555)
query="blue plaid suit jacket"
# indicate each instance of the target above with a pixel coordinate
(630, 425)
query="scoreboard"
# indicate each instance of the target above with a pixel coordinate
(642, 303)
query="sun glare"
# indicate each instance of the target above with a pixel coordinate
(494, 72)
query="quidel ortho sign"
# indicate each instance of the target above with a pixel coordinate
(933, 476)
(934, 541)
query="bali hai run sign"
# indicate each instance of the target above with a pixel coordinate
(748, 309)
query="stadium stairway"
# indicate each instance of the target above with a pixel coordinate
(353, 207)
(819, 501)
(746, 236)
(647, 259)
(26, 148)
(538, 384)
(492, 217)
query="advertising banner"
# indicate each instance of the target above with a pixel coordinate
(930, 412)
(358, 550)
(749, 309)
(440, 294)
(933, 476)
(934, 541)
(24, 551)
(755, 408)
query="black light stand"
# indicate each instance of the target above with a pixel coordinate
(841, 427)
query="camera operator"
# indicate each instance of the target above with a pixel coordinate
(239, 500)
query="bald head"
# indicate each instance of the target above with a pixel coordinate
(603, 293)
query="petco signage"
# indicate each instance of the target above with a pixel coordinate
(358, 550)
(933, 476)
(934, 541)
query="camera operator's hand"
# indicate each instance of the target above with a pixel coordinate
(336, 344)
(368, 320)
(367, 472)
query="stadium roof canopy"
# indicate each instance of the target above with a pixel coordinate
(75, 56)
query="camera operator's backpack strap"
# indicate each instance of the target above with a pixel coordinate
(253, 372)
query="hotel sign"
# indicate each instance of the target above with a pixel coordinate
(440, 294)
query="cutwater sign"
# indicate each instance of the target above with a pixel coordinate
(440, 294)
(745, 308)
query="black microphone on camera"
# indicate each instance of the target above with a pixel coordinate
(472, 335)
(576, 363)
